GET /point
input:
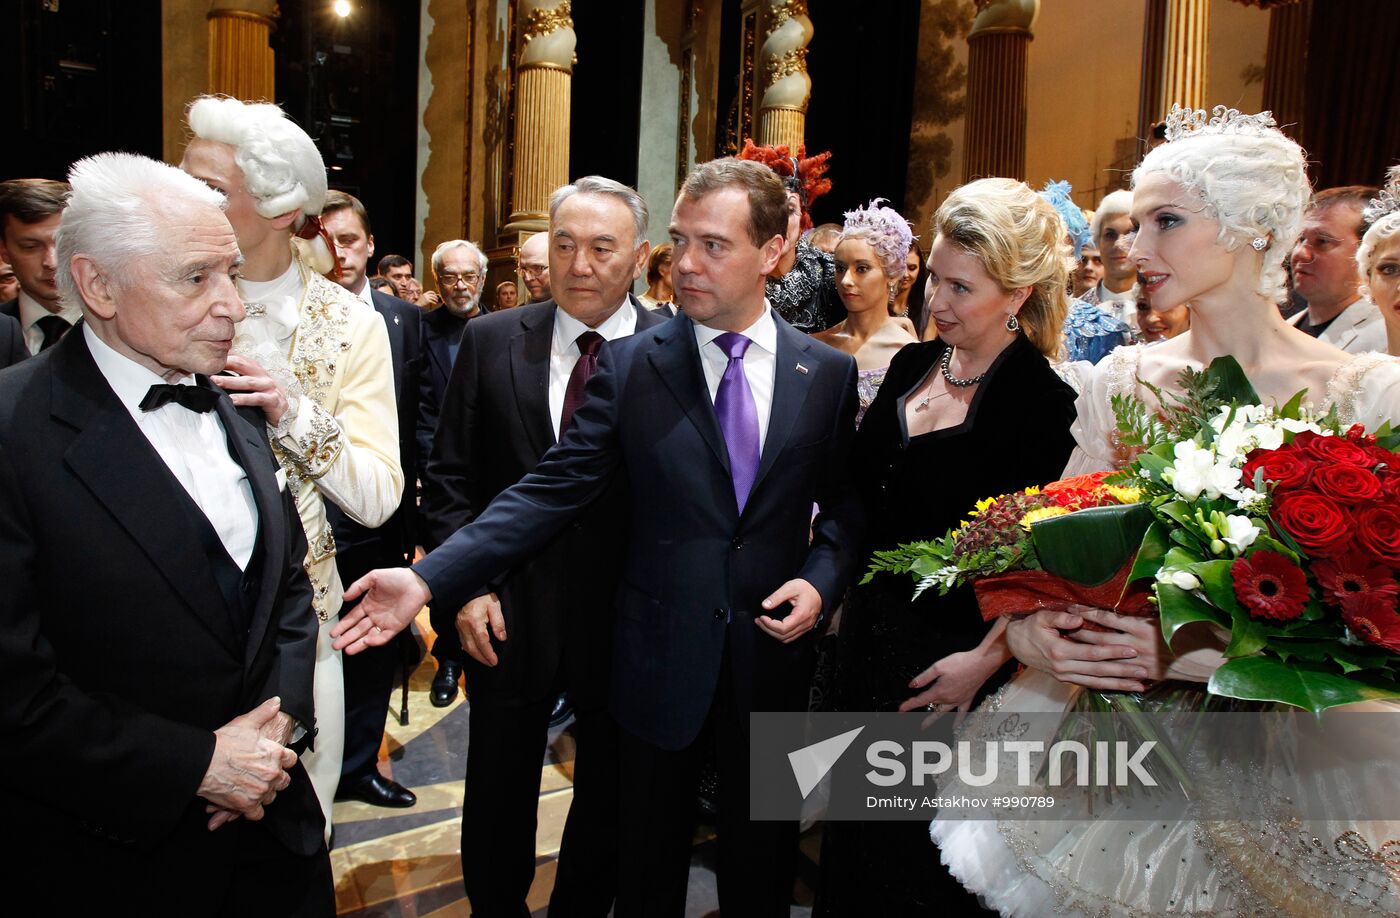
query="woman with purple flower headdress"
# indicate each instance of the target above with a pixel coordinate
(870, 261)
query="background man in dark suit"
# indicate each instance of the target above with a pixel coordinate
(29, 212)
(459, 272)
(369, 678)
(156, 634)
(12, 348)
(515, 383)
(729, 424)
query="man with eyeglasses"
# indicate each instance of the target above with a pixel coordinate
(533, 259)
(459, 267)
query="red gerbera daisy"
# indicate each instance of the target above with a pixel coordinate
(1270, 586)
(1351, 574)
(1372, 617)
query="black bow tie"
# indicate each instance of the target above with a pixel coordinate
(195, 398)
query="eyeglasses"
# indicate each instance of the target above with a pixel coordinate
(452, 280)
(533, 270)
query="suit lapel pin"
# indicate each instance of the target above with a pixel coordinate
(801, 369)
(396, 320)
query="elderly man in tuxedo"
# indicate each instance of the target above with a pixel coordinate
(728, 425)
(517, 380)
(156, 633)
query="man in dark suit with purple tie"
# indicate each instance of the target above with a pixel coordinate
(728, 425)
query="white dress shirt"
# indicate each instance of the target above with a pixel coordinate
(365, 293)
(564, 352)
(191, 444)
(31, 311)
(760, 364)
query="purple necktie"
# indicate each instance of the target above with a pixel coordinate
(588, 344)
(738, 416)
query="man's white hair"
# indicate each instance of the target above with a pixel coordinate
(441, 251)
(1114, 204)
(282, 169)
(114, 213)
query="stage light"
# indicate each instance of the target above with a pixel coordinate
(342, 8)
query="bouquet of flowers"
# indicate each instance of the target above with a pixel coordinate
(1270, 523)
(1279, 527)
(1018, 558)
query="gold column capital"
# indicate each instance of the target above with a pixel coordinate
(547, 38)
(998, 16)
(264, 11)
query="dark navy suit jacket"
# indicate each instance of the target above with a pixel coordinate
(695, 570)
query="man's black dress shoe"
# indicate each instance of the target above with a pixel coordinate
(562, 711)
(444, 687)
(377, 790)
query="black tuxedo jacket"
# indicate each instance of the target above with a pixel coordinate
(12, 349)
(10, 308)
(494, 428)
(395, 540)
(695, 569)
(440, 327)
(118, 655)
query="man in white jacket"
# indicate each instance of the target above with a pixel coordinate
(311, 355)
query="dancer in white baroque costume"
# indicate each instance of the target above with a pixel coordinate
(1217, 209)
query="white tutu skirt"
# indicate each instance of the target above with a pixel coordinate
(1114, 866)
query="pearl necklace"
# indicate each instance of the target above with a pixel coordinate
(954, 380)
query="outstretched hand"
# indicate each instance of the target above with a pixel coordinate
(393, 597)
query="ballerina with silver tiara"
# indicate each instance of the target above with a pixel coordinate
(1216, 210)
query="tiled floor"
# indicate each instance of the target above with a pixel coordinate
(405, 864)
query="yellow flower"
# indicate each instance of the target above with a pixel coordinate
(1042, 513)
(1124, 495)
(1032, 490)
(982, 505)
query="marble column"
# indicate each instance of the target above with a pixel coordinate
(240, 58)
(783, 111)
(998, 49)
(544, 75)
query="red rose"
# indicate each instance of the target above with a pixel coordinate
(1356, 433)
(1347, 484)
(1315, 522)
(1378, 531)
(1371, 617)
(1290, 468)
(1352, 574)
(1332, 449)
(1383, 461)
(1269, 585)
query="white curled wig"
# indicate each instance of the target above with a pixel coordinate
(113, 210)
(282, 169)
(1384, 217)
(1254, 182)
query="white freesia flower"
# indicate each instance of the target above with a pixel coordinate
(1299, 425)
(1197, 471)
(1239, 533)
(1251, 427)
(1182, 580)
